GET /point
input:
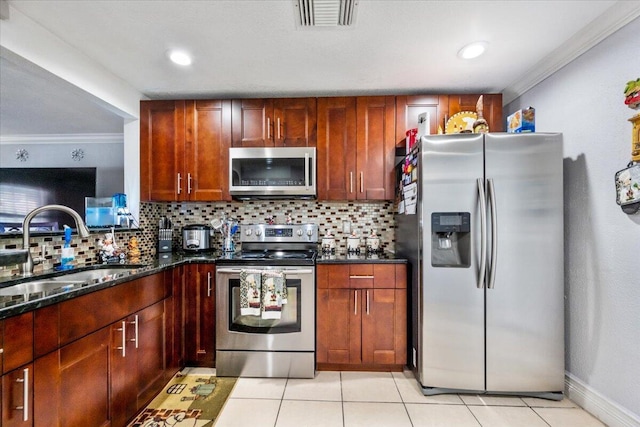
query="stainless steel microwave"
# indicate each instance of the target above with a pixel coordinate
(272, 172)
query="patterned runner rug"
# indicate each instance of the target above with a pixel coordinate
(189, 400)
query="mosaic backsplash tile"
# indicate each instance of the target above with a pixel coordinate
(361, 216)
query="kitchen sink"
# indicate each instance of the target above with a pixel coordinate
(101, 274)
(45, 287)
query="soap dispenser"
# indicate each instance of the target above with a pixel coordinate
(66, 262)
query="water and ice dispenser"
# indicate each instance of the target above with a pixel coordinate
(450, 239)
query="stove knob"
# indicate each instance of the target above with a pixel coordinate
(248, 232)
(299, 232)
(258, 232)
(309, 232)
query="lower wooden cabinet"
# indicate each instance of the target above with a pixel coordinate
(200, 331)
(361, 316)
(137, 372)
(17, 397)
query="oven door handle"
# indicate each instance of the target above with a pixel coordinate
(286, 271)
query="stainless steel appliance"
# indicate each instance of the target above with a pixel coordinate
(248, 344)
(196, 238)
(480, 217)
(272, 172)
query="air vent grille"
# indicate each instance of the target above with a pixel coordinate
(326, 13)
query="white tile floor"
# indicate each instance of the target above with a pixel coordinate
(371, 399)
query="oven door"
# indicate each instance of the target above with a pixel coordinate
(293, 331)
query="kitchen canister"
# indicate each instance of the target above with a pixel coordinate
(373, 242)
(353, 243)
(328, 243)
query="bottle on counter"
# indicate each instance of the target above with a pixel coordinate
(66, 261)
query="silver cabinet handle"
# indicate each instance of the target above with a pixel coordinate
(209, 284)
(360, 277)
(189, 183)
(494, 234)
(362, 182)
(25, 394)
(367, 301)
(123, 329)
(355, 302)
(483, 233)
(135, 327)
(350, 182)
(268, 127)
(179, 183)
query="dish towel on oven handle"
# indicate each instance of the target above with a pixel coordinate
(250, 290)
(274, 293)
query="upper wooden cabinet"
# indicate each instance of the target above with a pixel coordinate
(336, 148)
(440, 108)
(184, 150)
(356, 148)
(282, 122)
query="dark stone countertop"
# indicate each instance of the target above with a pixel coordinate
(11, 305)
(368, 258)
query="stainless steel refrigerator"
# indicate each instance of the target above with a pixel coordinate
(480, 218)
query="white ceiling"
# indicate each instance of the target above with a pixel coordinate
(253, 48)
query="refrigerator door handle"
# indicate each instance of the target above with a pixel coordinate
(494, 234)
(483, 233)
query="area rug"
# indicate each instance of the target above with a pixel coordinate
(189, 400)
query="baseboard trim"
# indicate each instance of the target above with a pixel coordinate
(607, 411)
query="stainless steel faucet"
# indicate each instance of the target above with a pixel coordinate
(27, 266)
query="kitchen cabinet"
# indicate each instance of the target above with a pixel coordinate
(200, 339)
(281, 122)
(362, 316)
(108, 356)
(137, 362)
(16, 381)
(440, 108)
(17, 397)
(356, 149)
(336, 148)
(184, 150)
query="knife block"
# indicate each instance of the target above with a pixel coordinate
(165, 240)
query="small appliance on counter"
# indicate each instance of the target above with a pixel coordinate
(197, 238)
(165, 235)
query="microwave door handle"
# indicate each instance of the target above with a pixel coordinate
(306, 170)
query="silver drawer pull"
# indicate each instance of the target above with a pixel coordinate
(361, 277)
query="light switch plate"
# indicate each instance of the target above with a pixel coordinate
(346, 227)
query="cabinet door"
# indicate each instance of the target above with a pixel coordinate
(384, 323)
(17, 397)
(336, 148)
(295, 122)
(149, 345)
(175, 322)
(17, 343)
(123, 371)
(71, 385)
(339, 326)
(252, 123)
(208, 138)
(491, 104)
(375, 148)
(408, 108)
(200, 315)
(162, 125)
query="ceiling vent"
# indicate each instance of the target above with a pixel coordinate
(325, 13)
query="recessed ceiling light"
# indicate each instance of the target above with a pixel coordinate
(472, 50)
(179, 57)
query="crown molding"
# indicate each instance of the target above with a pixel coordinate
(80, 138)
(614, 18)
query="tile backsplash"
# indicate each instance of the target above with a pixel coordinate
(361, 216)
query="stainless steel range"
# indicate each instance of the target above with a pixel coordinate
(265, 316)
